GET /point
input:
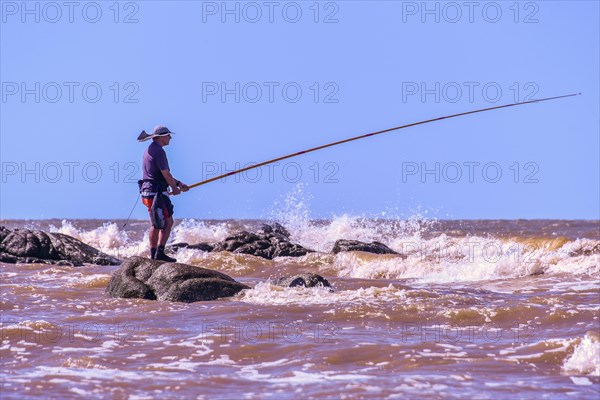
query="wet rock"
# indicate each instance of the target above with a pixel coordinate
(306, 280)
(274, 228)
(355, 245)
(208, 247)
(143, 278)
(268, 242)
(27, 246)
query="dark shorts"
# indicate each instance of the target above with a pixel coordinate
(167, 206)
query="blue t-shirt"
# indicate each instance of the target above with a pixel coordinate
(155, 160)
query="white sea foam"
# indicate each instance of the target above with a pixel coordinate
(293, 212)
(585, 358)
(444, 259)
(581, 381)
(105, 238)
(266, 293)
(119, 375)
(299, 377)
(322, 236)
(112, 240)
(569, 258)
(192, 231)
(222, 360)
(441, 259)
(180, 365)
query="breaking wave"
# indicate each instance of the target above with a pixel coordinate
(440, 259)
(424, 252)
(586, 356)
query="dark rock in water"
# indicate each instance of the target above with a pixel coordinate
(200, 246)
(269, 242)
(27, 246)
(306, 280)
(128, 281)
(274, 228)
(143, 278)
(355, 245)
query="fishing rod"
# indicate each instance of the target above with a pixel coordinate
(372, 134)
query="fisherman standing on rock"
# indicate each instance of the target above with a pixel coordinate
(156, 179)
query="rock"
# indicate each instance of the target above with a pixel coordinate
(208, 247)
(306, 280)
(274, 228)
(269, 242)
(27, 246)
(355, 245)
(143, 278)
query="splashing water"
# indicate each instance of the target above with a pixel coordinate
(293, 212)
(586, 357)
(192, 231)
(106, 238)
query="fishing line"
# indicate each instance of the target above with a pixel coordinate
(134, 206)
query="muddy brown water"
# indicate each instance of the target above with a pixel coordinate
(477, 309)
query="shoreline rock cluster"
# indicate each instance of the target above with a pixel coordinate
(30, 246)
(273, 240)
(270, 241)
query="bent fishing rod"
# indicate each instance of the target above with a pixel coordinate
(372, 134)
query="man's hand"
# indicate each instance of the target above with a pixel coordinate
(175, 191)
(183, 187)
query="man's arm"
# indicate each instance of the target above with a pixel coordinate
(176, 186)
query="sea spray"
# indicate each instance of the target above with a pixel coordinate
(293, 212)
(585, 358)
(192, 231)
(106, 238)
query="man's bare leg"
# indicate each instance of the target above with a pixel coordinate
(163, 236)
(165, 232)
(153, 236)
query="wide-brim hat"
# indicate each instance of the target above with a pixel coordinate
(158, 131)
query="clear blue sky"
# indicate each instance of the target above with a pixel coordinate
(361, 66)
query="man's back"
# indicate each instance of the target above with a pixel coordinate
(154, 160)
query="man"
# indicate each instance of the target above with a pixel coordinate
(156, 180)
